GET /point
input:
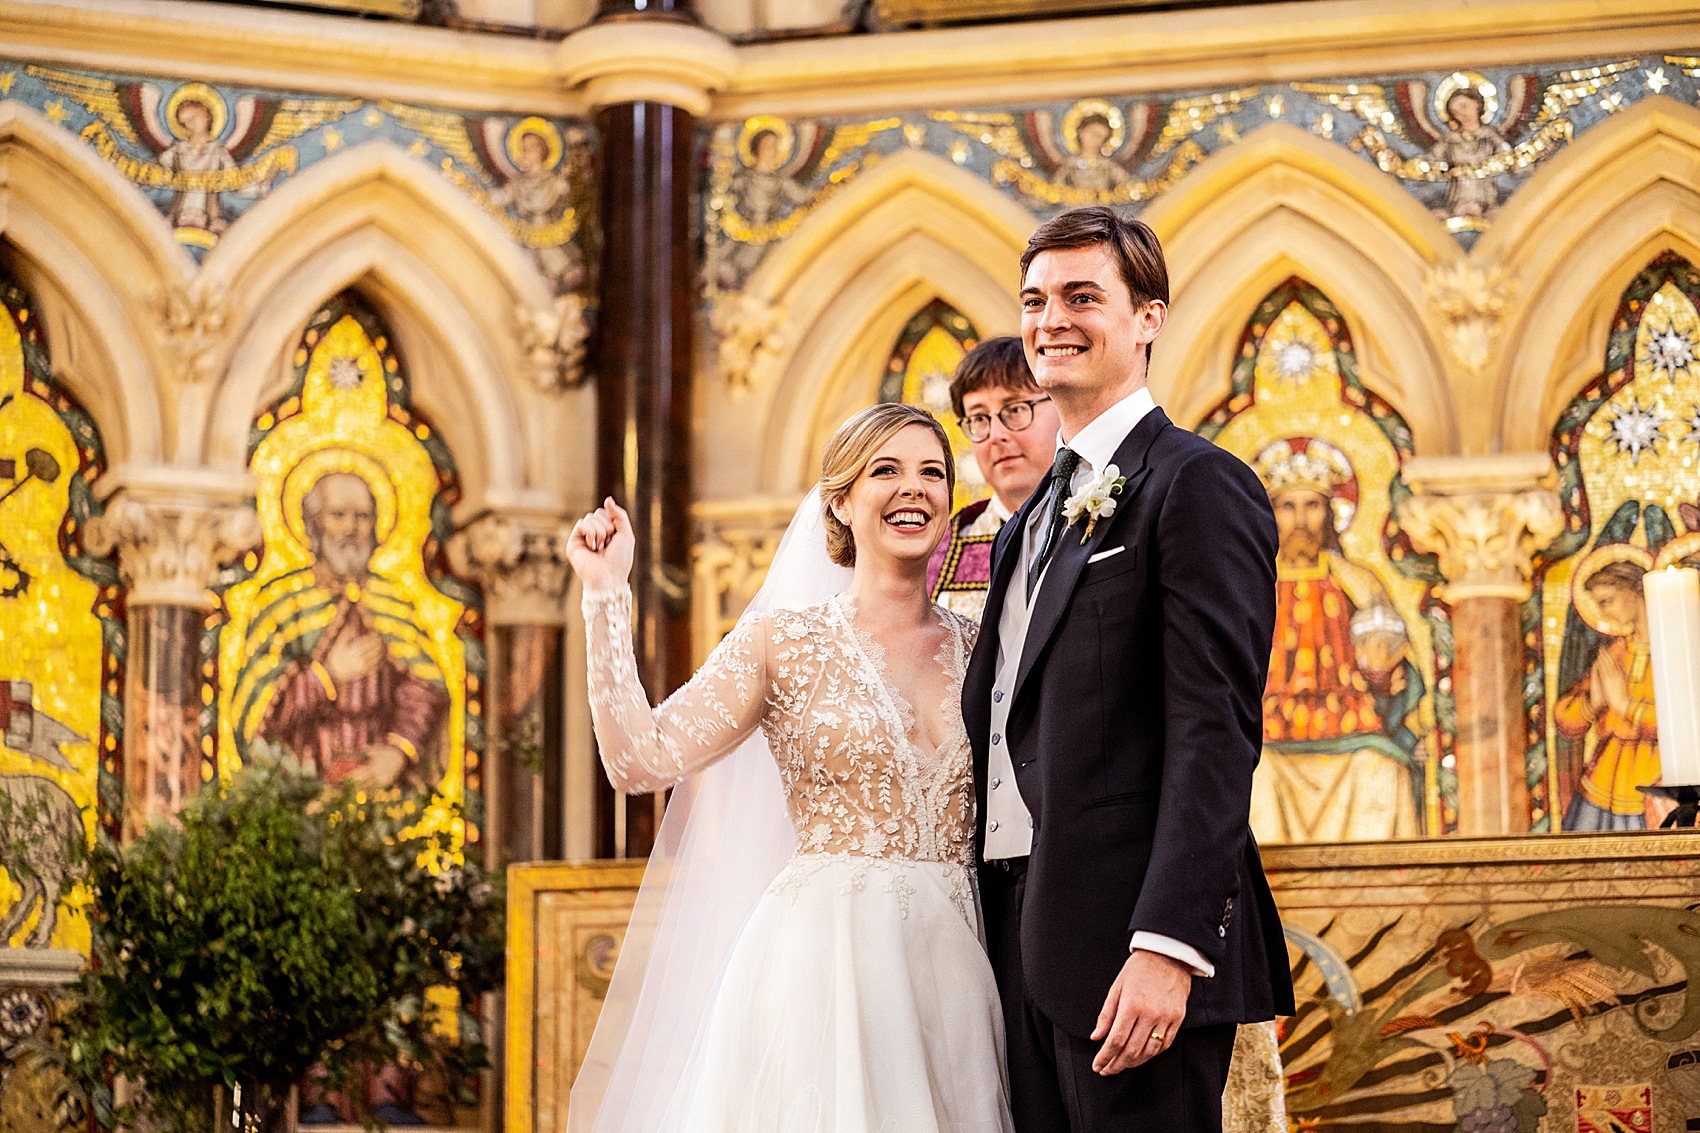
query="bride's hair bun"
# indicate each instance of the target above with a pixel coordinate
(849, 451)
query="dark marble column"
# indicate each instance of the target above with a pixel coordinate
(642, 363)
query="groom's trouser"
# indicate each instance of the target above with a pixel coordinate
(1052, 1086)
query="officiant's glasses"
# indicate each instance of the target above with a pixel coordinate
(1015, 416)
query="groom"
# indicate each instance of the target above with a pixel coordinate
(1114, 705)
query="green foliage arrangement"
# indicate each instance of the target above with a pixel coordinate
(274, 926)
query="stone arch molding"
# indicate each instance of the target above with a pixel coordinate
(836, 294)
(103, 264)
(1573, 237)
(1285, 203)
(452, 284)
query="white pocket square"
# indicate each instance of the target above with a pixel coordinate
(1101, 555)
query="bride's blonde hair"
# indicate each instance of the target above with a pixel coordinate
(848, 453)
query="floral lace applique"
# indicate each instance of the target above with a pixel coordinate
(856, 782)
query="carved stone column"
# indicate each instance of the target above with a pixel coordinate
(171, 537)
(521, 561)
(1485, 517)
(647, 68)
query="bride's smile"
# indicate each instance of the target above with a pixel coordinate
(897, 508)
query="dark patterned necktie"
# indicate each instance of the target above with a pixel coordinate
(1061, 473)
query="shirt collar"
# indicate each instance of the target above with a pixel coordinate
(1098, 441)
(999, 512)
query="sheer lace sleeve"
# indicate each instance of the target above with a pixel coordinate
(646, 749)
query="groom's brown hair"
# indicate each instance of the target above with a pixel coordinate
(1132, 244)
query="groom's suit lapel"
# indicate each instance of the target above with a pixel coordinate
(1006, 556)
(1071, 555)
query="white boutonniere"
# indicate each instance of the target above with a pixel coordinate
(1095, 500)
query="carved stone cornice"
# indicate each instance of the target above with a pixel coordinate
(521, 562)
(648, 61)
(171, 539)
(1485, 517)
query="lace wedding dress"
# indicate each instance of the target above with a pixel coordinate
(856, 997)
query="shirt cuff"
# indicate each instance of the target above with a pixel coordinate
(1174, 950)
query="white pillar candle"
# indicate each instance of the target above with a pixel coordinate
(1673, 624)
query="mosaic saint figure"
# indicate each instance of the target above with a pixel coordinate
(765, 188)
(1612, 705)
(1339, 761)
(1467, 141)
(345, 701)
(542, 191)
(1092, 169)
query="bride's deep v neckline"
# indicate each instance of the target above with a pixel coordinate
(902, 717)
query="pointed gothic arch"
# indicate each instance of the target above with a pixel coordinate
(100, 262)
(1575, 236)
(1285, 203)
(444, 276)
(914, 229)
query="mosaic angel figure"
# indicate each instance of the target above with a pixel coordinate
(1095, 147)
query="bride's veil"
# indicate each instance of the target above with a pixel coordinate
(725, 837)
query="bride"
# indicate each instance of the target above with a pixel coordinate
(805, 956)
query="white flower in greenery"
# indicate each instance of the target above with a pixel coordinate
(1095, 500)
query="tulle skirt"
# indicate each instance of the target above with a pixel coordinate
(857, 999)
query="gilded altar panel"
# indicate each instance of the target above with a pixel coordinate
(1510, 984)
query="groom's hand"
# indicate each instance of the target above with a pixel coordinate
(1147, 1000)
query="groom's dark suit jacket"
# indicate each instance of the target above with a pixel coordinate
(1135, 726)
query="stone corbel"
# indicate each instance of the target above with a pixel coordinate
(172, 530)
(1469, 300)
(647, 61)
(520, 561)
(1485, 517)
(192, 321)
(553, 340)
(751, 329)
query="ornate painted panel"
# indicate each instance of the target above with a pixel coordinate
(343, 638)
(1524, 985)
(919, 372)
(1627, 449)
(1352, 749)
(205, 154)
(61, 621)
(1461, 142)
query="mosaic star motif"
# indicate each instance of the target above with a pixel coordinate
(1294, 360)
(1636, 430)
(1694, 426)
(1671, 351)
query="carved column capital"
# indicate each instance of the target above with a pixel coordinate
(521, 562)
(1485, 517)
(171, 543)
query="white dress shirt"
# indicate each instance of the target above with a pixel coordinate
(1009, 824)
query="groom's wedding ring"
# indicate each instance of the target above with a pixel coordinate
(1156, 1036)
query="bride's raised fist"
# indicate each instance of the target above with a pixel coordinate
(601, 547)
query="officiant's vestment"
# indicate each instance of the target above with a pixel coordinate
(1126, 705)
